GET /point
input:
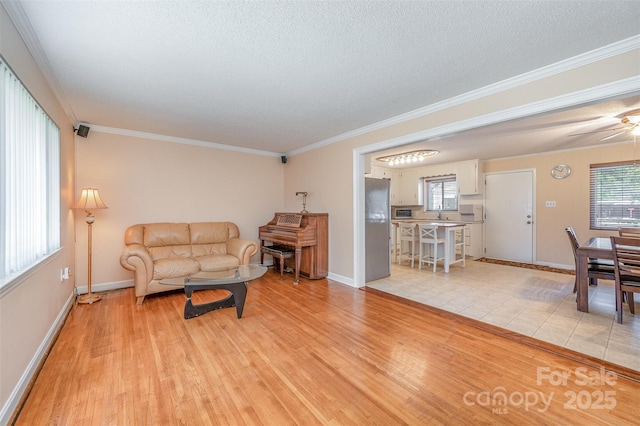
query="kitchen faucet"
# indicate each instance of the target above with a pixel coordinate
(440, 214)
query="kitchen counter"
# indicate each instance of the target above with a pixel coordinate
(431, 221)
(434, 221)
(444, 224)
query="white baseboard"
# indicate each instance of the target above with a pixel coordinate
(32, 367)
(341, 279)
(97, 288)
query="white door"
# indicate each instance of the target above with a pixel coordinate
(509, 216)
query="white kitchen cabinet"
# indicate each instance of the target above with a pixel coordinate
(469, 177)
(407, 188)
(380, 173)
(473, 240)
(396, 188)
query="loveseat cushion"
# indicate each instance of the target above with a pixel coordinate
(198, 250)
(166, 234)
(158, 253)
(174, 267)
(166, 240)
(217, 262)
(212, 232)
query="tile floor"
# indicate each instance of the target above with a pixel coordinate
(535, 303)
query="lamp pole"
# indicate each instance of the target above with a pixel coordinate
(89, 199)
(89, 297)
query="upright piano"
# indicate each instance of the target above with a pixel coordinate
(307, 234)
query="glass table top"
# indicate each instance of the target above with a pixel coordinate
(228, 276)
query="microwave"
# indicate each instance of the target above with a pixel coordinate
(403, 213)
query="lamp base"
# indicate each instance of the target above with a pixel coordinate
(89, 298)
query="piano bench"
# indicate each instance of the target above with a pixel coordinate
(280, 252)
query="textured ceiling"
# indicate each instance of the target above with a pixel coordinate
(278, 76)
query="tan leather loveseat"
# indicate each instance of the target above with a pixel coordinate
(156, 251)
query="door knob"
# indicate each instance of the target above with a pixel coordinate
(528, 222)
(528, 216)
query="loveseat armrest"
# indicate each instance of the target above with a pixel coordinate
(242, 249)
(136, 257)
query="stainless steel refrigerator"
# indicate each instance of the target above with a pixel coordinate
(377, 207)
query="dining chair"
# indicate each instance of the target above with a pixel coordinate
(626, 263)
(598, 268)
(430, 243)
(629, 232)
(409, 240)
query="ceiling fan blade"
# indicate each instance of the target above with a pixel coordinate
(606, 138)
(598, 131)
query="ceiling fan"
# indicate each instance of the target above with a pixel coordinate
(631, 121)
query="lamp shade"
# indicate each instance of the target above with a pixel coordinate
(90, 200)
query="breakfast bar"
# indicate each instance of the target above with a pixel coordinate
(454, 239)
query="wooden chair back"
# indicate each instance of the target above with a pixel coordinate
(626, 265)
(626, 257)
(573, 240)
(629, 232)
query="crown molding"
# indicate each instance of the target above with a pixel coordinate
(21, 22)
(184, 141)
(596, 94)
(601, 53)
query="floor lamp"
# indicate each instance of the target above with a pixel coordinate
(89, 200)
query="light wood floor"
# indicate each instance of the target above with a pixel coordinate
(316, 353)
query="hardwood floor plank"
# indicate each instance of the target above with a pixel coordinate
(316, 353)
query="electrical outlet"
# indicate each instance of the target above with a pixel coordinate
(550, 204)
(65, 273)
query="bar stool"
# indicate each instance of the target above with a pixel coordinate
(429, 245)
(408, 238)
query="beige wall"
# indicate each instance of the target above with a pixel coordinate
(28, 312)
(144, 180)
(571, 196)
(326, 174)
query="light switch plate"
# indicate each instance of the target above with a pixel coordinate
(550, 204)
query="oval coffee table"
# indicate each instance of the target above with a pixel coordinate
(233, 280)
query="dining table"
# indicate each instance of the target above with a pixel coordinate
(594, 248)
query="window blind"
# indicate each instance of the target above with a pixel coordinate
(29, 178)
(615, 195)
(442, 193)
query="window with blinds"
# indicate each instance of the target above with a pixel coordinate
(615, 195)
(29, 179)
(441, 193)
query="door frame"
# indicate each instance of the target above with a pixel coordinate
(534, 212)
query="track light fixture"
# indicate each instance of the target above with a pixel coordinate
(408, 157)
